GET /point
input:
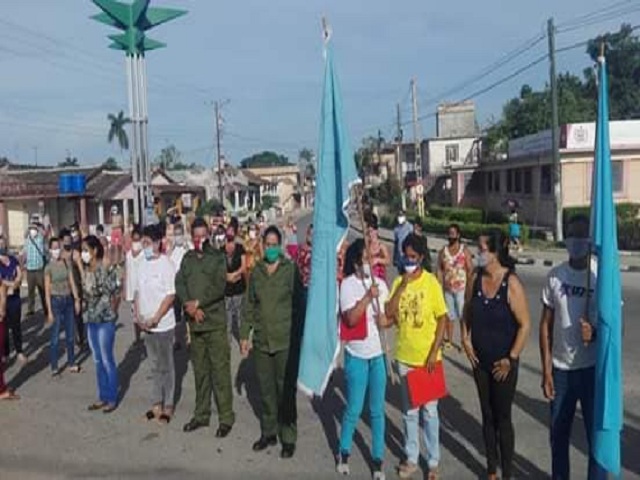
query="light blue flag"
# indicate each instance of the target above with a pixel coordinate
(336, 174)
(608, 408)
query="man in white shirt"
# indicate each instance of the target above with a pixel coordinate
(178, 248)
(154, 296)
(133, 260)
(567, 346)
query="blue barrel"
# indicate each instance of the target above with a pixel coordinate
(64, 183)
(78, 184)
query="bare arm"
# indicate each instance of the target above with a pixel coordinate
(437, 344)
(353, 315)
(47, 293)
(165, 306)
(546, 339)
(520, 309)
(439, 269)
(468, 264)
(385, 257)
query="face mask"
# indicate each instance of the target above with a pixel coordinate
(272, 254)
(3, 252)
(402, 219)
(55, 254)
(67, 248)
(86, 257)
(33, 232)
(136, 247)
(453, 240)
(179, 241)
(198, 244)
(148, 253)
(578, 248)
(231, 238)
(220, 238)
(483, 259)
(253, 234)
(75, 236)
(410, 266)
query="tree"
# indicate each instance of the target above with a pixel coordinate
(265, 159)
(111, 164)
(306, 162)
(69, 162)
(117, 130)
(577, 98)
(364, 156)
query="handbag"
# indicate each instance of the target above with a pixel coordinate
(359, 331)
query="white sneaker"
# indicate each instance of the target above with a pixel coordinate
(379, 475)
(342, 466)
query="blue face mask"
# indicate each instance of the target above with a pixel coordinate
(409, 265)
(148, 253)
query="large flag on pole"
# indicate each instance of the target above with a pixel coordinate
(608, 409)
(336, 174)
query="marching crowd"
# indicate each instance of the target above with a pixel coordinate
(207, 285)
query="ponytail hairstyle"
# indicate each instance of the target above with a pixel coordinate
(498, 243)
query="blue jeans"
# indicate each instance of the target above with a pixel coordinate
(411, 420)
(101, 340)
(455, 304)
(361, 375)
(63, 315)
(570, 387)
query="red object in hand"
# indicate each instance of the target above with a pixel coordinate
(356, 332)
(425, 386)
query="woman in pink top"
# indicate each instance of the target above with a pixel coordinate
(380, 257)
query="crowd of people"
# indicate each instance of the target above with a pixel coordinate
(209, 286)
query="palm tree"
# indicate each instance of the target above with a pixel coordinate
(117, 130)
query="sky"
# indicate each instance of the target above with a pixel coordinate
(59, 81)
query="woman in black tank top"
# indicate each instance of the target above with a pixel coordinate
(495, 330)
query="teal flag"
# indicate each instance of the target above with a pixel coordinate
(608, 410)
(336, 174)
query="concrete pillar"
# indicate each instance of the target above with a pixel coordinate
(125, 213)
(101, 213)
(84, 226)
(236, 200)
(246, 200)
(4, 224)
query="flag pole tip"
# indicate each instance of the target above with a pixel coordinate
(602, 49)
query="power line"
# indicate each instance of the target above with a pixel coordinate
(595, 13)
(601, 18)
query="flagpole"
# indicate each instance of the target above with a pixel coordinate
(367, 246)
(587, 313)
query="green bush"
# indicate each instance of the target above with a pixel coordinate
(629, 234)
(469, 230)
(624, 211)
(459, 215)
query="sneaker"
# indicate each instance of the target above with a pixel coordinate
(378, 473)
(407, 469)
(342, 464)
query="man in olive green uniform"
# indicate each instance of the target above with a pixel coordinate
(200, 286)
(275, 315)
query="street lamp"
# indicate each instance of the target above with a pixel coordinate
(134, 19)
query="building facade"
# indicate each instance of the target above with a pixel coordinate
(281, 182)
(526, 173)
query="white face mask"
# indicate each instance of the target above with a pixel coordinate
(179, 241)
(136, 247)
(55, 254)
(220, 238)
(33, 232)
(402, 219)
(86, 257)
(366, 270)
(252, 234)
(410, 269)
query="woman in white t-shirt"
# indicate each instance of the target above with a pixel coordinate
(364, 363)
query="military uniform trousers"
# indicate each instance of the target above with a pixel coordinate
(277, 376)
(210, 354)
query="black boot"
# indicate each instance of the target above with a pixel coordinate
(288, 449)
(194, 425)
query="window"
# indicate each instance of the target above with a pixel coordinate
(546, 180)
(517, 173)
(496, 181)
(452, 154)
(490, 181)
(509, 181)
(528, 181)
(617, 174)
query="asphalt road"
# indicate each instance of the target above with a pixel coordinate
(49, 434)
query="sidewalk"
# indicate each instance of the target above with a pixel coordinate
(629, 261)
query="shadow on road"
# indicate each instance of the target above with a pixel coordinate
(128, 367)
(246, 377)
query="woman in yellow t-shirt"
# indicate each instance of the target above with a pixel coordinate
(417, 307)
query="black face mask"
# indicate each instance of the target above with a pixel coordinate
(453, 240)
(67, 248)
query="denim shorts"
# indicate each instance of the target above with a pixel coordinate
(455, 304)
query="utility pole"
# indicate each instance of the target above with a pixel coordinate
(418, 154)
(399, 158)
(555, 130)
(217, 107)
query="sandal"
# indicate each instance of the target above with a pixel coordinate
(9, 395)
(433, 474)
(150, 415)
(75, 369)
(164, 419)
(94, 407)
(109, 408)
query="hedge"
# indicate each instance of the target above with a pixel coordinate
(629, 234)
(624, 212)
(462, 215)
